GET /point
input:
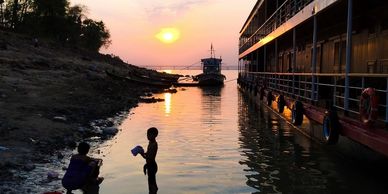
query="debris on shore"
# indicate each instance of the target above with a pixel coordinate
(150, 99)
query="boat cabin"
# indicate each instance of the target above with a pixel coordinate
(211, 65)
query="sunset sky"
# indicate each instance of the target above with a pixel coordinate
(171, 32)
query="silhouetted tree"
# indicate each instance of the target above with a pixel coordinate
(25, 8)
(50, 16)
(74, 24)
(54, 19)
(51, 8)
(21, 10)
(94, 35)
(1, 13)
(15, 8)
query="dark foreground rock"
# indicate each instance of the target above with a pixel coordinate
(49, 96)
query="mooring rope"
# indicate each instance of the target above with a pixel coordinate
(230, 80)
(187, 67)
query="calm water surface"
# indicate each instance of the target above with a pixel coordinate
(212, 140)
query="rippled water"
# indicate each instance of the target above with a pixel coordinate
(214, 140)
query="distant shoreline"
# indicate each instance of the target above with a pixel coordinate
(224, 68)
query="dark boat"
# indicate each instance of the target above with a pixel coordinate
(157, 76)
(211, 67)
(140, 80)
(150, 99)
(324, 60)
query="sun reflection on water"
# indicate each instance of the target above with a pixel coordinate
(167, 103)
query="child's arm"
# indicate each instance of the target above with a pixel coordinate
(144, 155)
(145, 169)
(151, 152)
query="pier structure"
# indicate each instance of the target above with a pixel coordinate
(321, 56)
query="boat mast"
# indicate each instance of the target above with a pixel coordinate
(212, 52)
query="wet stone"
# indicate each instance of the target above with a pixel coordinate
(60, 156)
(29, 167)
(82, 129)
(71, 144)
(110, 131)
(52, 175)
(60, 118)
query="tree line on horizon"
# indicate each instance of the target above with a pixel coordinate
(54, 19)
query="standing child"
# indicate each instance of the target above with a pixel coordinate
(149, 156)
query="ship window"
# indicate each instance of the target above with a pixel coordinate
(339, 56)
(384, 24)
(301, 47)
(384, 69)
(371, 66)
(372, 28)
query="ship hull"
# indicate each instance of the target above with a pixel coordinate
(210, 79)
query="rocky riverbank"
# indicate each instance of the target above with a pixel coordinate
(51, 97)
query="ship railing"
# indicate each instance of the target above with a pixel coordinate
(300, 86)
(285, 11)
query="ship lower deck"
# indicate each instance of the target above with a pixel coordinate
(375, 136)
(356, 140)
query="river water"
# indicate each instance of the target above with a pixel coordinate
(214, 140)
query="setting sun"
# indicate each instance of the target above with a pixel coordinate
(168, 35)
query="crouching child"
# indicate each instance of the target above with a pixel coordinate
(83, 172)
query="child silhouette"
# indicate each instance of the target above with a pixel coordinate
(83, 172)
(151, 167)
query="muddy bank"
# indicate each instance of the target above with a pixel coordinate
(49, 96)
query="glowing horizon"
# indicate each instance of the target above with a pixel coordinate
(135, 26)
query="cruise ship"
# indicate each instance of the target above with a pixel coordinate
(324, 61)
